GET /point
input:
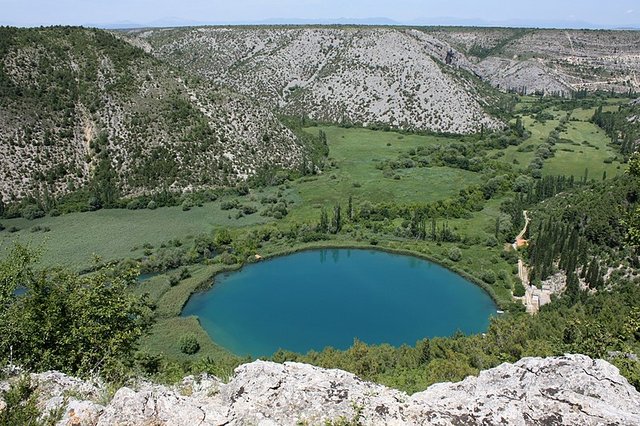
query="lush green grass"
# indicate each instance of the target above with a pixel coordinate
(113, 234)
(589, 151)
(164, 339)
(520, 156)
(73, 239)
(356, 152)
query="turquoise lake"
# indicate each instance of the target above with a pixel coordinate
(320, 298)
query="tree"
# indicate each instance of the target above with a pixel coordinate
(336, 222)
(323, 226)
(634, 164)
(67, 322)
(223, 238)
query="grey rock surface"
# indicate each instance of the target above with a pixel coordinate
(569, 390)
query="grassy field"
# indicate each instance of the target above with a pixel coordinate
(589, 150)
(522, 154)
(355, 153)
(74, 238)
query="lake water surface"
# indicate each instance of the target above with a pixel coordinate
(320, 298)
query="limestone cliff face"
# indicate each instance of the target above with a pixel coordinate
(569, 390)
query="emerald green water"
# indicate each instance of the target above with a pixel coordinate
(320, 298)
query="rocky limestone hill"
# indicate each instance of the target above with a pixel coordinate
(75, 101)
(402, 78)
(568, 390)
(415, 78)
(551, 61)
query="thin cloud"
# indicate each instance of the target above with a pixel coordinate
(630, 11)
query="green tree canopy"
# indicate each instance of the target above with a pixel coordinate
(67, 322)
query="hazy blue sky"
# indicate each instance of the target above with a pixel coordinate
(36, 12)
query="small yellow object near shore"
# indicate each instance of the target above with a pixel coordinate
(258, 257)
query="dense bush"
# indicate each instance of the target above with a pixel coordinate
(488, 276)
(189, 344)
(68, 322)
(32, 212)
(229, 205)
(454, 254)
(519, 289)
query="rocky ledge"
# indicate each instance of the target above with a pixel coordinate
(569, 390)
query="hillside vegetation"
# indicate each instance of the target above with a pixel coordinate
(80, 108)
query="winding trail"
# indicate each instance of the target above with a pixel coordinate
(520, 241)
(523, 273)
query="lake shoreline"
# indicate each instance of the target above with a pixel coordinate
(348, 245)
(421, 299)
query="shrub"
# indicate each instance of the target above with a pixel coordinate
(1, 227)
(228, 205)
(21, 408)
(13, 229)
(133, 205)
(174, 280)
(223, 238)
(31, 212)
(189, 344)
(227, 259)
(455, 254)
(248, 210)
(152, 205)
(519, 290)
(54, 213)
(184, 273)
(488, 277)
(491, 241)
(187, 205)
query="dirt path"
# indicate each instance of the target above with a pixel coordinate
(520, 241)
(523, 273)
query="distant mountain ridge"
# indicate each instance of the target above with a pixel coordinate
(445, 21)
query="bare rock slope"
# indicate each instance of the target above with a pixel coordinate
(396, 77)
(569, 390)
(413, 78)
(551, 61)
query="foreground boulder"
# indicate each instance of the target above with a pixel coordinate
(570, 390)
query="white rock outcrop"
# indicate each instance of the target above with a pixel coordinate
(568, 390)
